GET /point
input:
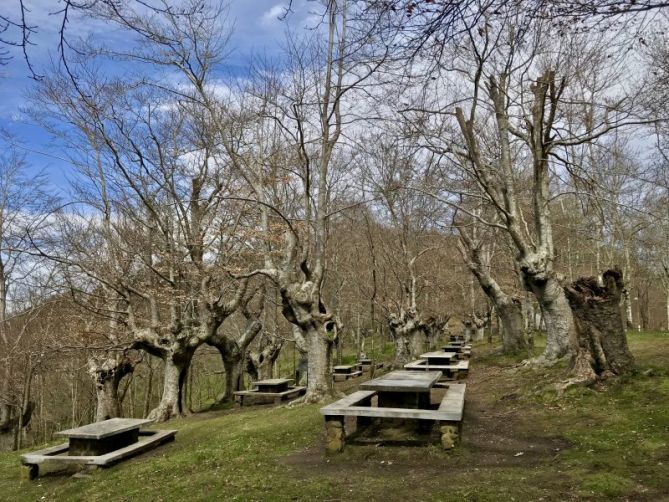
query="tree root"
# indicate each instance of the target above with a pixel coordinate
(540, 362)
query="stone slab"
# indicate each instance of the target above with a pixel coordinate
(273, 381)
(403, 381)
(450, 409)
(340, 377)
(106, 428)
(58, 453)
(422, 364)
(343, 368)
(256, 397)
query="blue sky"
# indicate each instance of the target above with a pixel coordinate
(256, 30)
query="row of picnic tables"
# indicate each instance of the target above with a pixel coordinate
(408, 395)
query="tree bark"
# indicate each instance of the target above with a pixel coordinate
(319, 366)
(171, 402)
(260, 363)
(107, 371)
(556, 313)
(234, 353)
(513, 330)
(404, 328)
(318, 329)
(600, 327)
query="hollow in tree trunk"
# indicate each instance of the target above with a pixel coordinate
(602, 349)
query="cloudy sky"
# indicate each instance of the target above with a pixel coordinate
(257, 29)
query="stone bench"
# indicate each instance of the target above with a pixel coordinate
(100, 444)
(447, 417)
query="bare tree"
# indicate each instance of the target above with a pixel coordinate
(24, 204)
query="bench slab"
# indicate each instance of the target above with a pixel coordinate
(59, 454)
(106, 428)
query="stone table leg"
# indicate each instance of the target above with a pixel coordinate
(450, 435)
(335, 434)
(29, 471)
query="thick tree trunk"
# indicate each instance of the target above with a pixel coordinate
(316, 330)
(513, 328)
(234, 354)
(557, 316)
(171, 402)
(405, 330)
(319, 365)
(233, 377)
(260, 364)
(419, 343)
(600, 327)
(402, 350)
(107, 372)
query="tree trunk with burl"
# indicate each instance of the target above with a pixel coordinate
(602, 351)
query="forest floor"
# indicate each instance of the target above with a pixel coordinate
(520, 442)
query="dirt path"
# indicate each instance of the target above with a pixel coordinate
(496, 435)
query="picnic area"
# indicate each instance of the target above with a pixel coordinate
(517, 435)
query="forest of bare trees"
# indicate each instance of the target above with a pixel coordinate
(404, 169)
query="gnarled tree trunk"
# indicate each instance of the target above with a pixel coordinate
(542, 282)
(404, 328)
(260, 362)
(303, 307)
(176, 362)
(602, 349)
(233, 354)
(107, 371)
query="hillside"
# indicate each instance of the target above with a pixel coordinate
(520, 442)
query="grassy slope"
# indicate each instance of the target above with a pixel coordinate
(611, 444)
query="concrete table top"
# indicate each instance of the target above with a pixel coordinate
(104, 429)
(403, 381)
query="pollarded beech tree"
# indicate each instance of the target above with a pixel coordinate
(281, 135)
(513, 131)
(475, 252)
(163, 234)
(602, 349)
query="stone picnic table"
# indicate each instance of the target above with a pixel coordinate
(366, 364)
(403, 389)
(461, 350)
(269, 391)
(438, 357)
(272, 384)
(454, 369)
(345, 371)
(403, 395)
(98, 444)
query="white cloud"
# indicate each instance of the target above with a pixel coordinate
(270, 16)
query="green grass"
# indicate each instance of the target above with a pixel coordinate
(606, 444)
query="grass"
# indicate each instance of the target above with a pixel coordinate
(522, 442)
